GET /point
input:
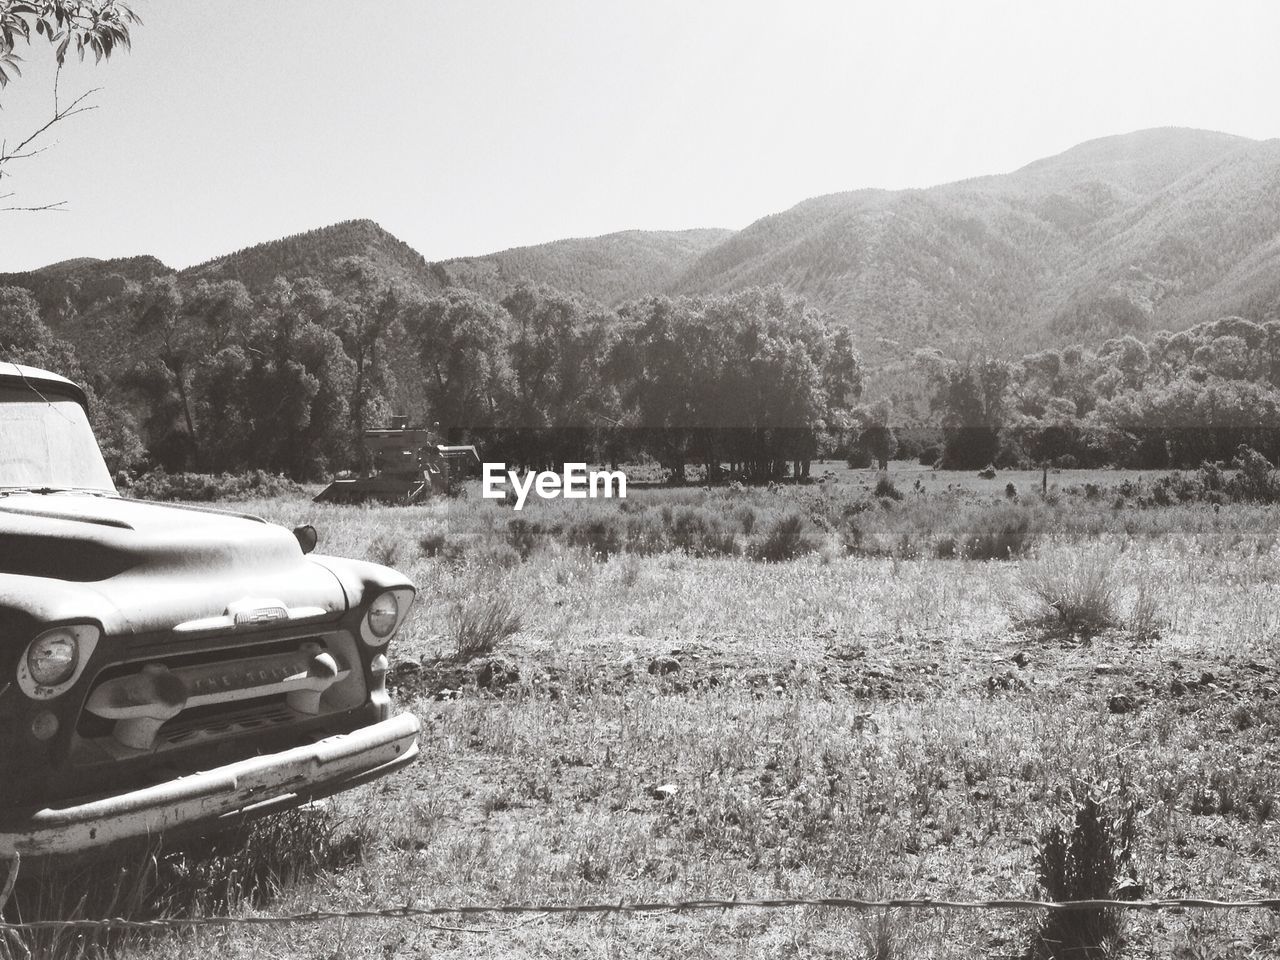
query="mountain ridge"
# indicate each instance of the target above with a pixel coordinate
(1127, 233)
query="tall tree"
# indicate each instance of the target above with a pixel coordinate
(461, 339)
(178, 345)
(970, 396)
(560, 397)
(747, 378)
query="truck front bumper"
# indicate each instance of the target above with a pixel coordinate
(247, 787)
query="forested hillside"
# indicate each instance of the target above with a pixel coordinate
(63, 289)
(321, 254)
(608, 269)
(1157, 229)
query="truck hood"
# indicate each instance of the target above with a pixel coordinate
(137, 566)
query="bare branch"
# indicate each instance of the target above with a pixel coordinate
(20, 152)
(22, 156)
(59, 206)
(71, 110)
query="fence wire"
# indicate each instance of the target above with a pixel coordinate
(412, 911)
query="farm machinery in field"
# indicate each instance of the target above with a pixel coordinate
(409, 466)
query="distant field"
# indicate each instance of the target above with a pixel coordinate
(874, 717)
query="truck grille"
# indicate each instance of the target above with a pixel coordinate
(235, 689)
(202, 723)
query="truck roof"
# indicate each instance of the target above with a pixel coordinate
(39, 381)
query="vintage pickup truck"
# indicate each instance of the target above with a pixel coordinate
(162, 666)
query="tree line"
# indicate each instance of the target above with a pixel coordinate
(1176, 401)
(204, 376)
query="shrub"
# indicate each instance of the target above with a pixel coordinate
(910, 445)
(786, 538)
(206, 487)
(1072, 591)
(998, 533)
(524, 536)
(852, 536)
(698, 531)
(885, 488)
(569, 566)
(1184, 488)
(432, 542)
(1256, 479)
(1144, 620)
(929, 456)
(1086, 859)
(746, 517)
(1012, 456)
(629, 571)
(478, 624)
(859, 457)
(969, 447)
(645, 532)
(384, 549)
(906, 547)
(602, 534)
(495, 553)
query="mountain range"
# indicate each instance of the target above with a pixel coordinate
(1157, 229)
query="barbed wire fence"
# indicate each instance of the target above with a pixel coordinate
(537, 911)
(410, 911)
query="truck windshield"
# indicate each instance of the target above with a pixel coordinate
(48, 443)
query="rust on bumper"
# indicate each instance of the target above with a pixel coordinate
(256, 785)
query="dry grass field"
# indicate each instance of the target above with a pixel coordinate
(800, 692)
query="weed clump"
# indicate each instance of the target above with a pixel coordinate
(886, 488)
(524, 536)
(384, 549)
(495, 553)
(1088, 858)
(1145, 621)
(477, 625)
(1075, 593)
(645, 532)
(698, 531)
(786, 538)
(601, 534)
(999, 533)
(432, 541)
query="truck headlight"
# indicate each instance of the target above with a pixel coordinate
(384, 615)
(53, 657)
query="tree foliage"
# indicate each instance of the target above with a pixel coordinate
(99, 27)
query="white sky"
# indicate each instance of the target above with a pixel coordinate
(465, 126)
